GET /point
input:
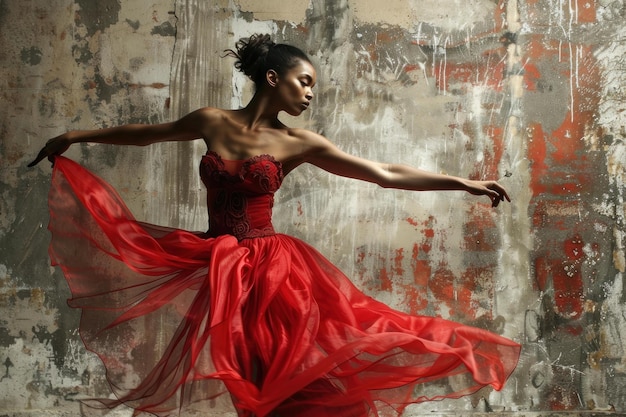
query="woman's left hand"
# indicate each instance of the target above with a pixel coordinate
(55, 146)
(491, 189)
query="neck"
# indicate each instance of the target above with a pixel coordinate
(260, 112)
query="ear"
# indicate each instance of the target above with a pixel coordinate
(271, 76)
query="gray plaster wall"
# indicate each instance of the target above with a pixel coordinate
(528, 92)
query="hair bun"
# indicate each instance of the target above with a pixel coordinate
(258, 54)
(251, 53)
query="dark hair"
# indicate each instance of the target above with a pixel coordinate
(258, 54)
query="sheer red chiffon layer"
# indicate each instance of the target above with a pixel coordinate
(178, 317)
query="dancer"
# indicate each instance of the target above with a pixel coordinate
(179, 317)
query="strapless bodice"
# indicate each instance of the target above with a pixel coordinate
(240, 194)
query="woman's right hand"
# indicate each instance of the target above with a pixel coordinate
(55, 146)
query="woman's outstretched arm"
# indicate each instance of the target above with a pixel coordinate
(190, 127)
(323, 154)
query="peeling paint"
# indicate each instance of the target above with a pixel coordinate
(97, 16)
(295, 12)
(531, 93)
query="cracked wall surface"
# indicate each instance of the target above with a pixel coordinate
(529, 92)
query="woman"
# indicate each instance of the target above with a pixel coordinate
(242, 309)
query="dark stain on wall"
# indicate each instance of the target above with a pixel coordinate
(81, 52)
(133, 24)
(6, 338)
(31, 56)
(94, 17)
(164, 29)
(97, 15)
(4, 11)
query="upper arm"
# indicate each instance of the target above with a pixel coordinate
(325, 155)
(194, 125)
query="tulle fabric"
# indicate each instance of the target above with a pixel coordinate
(177, 317)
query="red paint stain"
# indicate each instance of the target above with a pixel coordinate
(386, 283)
(561, 169)
(500, 15)
(488, 72)
(567, 138)
(427, 230)
(531, 77)
(562, 268)
(397, 262)
(562, 398)
(302, 29)
(387, 271)
(475, 283)
(537, 151)
(586, 11)
(574, 248)
(555, 214)
(412, 221)
(480, 222)
(542, 273)
(421, 268)
(568, 290)
(385, 37)
(416, 293)
(442, 287)
(414, 298)
(411, 68)
(492, 159)
(360, 256)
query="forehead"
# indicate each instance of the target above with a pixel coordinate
(304, 69)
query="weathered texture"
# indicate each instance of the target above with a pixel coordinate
(529, 92)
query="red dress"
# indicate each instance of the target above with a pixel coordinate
(178, 317)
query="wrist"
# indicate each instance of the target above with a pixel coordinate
(465, 184)
(71, 137)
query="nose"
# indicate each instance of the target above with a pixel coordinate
(309, 94)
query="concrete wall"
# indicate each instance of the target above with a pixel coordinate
(530, 92)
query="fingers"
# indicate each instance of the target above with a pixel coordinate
(53, 147)
(495, 200)
(497, 193)
(42, 154)
(503, 193)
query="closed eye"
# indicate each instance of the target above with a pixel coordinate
(306, 81)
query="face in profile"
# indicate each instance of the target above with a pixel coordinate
(295, 87)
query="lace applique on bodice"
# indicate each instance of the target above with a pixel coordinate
(240, 194)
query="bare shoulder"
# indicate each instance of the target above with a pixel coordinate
(203, 122)
(207, 115)
(321, 152)
(309, 142)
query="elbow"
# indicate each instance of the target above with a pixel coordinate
(386, 179)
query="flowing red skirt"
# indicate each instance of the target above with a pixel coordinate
(178, 318)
